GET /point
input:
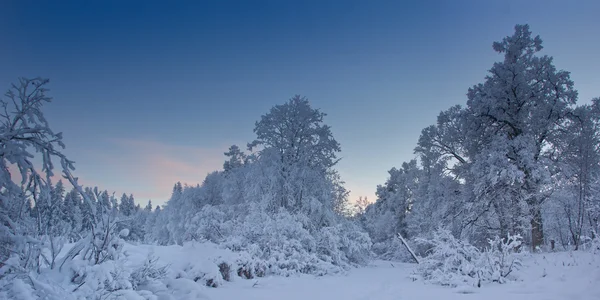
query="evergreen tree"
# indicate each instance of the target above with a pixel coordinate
(127, 205)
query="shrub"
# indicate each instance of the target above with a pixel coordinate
(225, 270)
(148, 272)
(499, 260)
(453, 262)
(450, 261)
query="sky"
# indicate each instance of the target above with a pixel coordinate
(149, 93)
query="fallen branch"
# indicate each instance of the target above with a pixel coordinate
(414, 256)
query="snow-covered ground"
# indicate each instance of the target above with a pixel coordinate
(565, 275)
(544, 278)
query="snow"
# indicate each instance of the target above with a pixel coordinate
(544, 276)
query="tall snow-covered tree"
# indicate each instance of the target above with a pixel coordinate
(445, 154)
(55, 219)
(301, 148)
(172, 217)
(521, 103)
(126, 205)
(237, 158)
(397, 196)
(578, 156)
(297, 132)
(73, 214)
(488, 168)
(103, 203)
(148, 206)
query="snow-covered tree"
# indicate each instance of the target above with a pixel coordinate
(297, 132)
(445, 155)
(24, 132)
(237, 158)
(520, 104)
(386, 217)
(282, 203)
(445, 146)
(103, 203)
(487, 168)
(573, 212)
(295, 136)
(126, 205)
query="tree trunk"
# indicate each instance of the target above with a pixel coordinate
(537, 229)
(502, 220)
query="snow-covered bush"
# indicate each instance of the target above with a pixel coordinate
(250, 266)
(175, 272)
(450, 261)
(275, 244)
(501, 259)
(280, 243)
(101, 279)
(148, 272)
(206, 273)
(593, 243)
(454, 262)
(210, 223)
(343, 244)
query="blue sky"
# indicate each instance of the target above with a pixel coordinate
(148, 93)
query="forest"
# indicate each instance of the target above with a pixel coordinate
(513, 170)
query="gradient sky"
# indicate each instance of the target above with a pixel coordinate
(150, 93)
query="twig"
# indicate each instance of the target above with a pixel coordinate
(78, 286)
